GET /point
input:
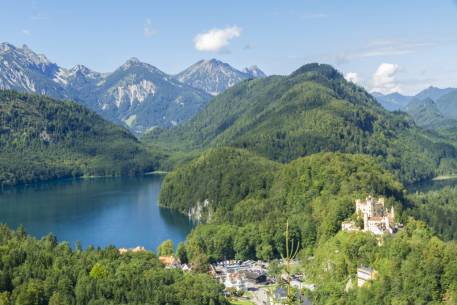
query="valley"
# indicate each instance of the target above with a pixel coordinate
(181, 179)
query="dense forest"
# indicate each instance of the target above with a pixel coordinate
(42, 139)
(312, 110)
(39, 272)
(297, 149)
(222, 177)
(413, 266)
(315, 193)
(438, 208)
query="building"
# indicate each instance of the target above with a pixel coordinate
(133, 250)
(365, 274)
(169, 261)
(235, 281)
(255, 277)
(349, 226)
(377, 219)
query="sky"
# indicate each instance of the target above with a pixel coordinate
(386, 46)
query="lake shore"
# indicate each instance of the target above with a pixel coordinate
(444, 177)
(161, 173)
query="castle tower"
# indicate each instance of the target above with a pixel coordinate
(370, 206)
(365, 222)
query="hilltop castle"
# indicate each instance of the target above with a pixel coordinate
(376, 218)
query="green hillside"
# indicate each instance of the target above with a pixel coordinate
(312, 110)
(42, 139)
(413, 267)
(447, 104)
(436, 116)
(314, 194)
(221, 177)
(249, 199)
(425, 113)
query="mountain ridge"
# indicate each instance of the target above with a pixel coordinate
(214, 76)
(314, 109)
(142, 98)
(42, 139)
(397, 101)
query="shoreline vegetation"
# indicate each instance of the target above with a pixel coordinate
(76, 178)
(444, 177)
(46, 271)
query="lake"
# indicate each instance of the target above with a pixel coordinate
(123, 212)
(432, 185)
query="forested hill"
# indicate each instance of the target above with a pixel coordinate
(314, 194)
(46, 272)
(217, 180)
(314, 109)
(41, 138)
(245, 212)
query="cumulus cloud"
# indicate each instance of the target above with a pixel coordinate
(384, 79)
(352, 77)
(148, 29)
(216, 39)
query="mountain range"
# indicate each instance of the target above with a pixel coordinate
(433, 109)
(397, 101)
(136, 95)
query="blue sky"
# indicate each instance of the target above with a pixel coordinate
(389, 45)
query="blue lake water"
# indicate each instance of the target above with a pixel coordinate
(123, 212)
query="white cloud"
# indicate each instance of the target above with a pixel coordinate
(26, 32)
(384, 79)
(148, 29)
(216, 39)
(352, 77)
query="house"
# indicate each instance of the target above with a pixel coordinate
(255, 277)
(169, 261)
(133, 250)
(365, 274)
(235, 281)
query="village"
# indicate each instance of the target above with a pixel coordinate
(256, 282)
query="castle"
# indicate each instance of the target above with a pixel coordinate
(376, 218)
